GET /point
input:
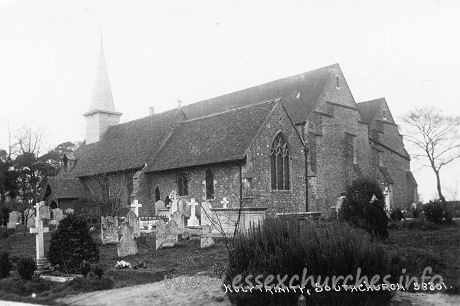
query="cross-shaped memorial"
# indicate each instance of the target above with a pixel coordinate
(136, 206)
(193, 221)
(39, 230)
(224, 202)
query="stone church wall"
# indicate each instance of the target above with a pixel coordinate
(258, 166)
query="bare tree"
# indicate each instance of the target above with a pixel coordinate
(435, 138)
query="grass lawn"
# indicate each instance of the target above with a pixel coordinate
(438, 249)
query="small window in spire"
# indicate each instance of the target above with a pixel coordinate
(384, 115)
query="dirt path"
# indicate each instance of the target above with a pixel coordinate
(153, 294)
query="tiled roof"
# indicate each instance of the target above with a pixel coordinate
(127, 145)
(213, 139)
(299, 95)
(66, 187)
(369, 109)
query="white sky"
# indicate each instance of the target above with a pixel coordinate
(161, 51)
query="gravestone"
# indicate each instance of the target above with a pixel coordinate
(127, 245)
(69, 211)
(58, 214)
(136, 205)
(159, 205)
(13, 218)
(39, 242)
(225, 202)
(29, 216)
(45, 212)
(206, 213)
(183, 208)
(206, 240)
(179, 219)
(166, 234)
(109, 230)
(133, 220)
(193, 221)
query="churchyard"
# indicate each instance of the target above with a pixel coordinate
(132, 250)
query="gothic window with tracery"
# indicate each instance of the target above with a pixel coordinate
(279, 157)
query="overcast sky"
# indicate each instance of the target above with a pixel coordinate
(161, 51)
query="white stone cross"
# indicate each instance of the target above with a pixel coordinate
(193, 221)
(136, 206)
(39, 230)
(224, 203)
(373, 199)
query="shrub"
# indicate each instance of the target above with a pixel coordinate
(286, 247)
(433, 211)
(26, 268)
(5, 265)
(99, 272)
(358, 211)
(5, 214)
(71, 245)
(396, 214)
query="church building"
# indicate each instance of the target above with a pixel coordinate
(291, 145)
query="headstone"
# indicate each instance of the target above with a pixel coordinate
(193, 221)
(45, 212)
(136, 206)
(29, 216)
(206, 242)
(159, 205)
(133, 220)
(127, 245)
(183, 207)
(14, 216)
(11, 225)
(179, 219)
(224, 202)
(58, 214)
(166, 234)
(39, 242)
(69, 211)
(109, 230)
(206, 213)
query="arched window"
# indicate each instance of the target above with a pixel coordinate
(157, 194)
(182, 184)
(209, 177)
(279, 157)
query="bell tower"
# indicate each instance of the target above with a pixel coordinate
(101, 114)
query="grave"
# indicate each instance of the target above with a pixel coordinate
(127, 245)
(69, 211)
(133, 220)
(109, 230)
(29, 216)
(166, 234)
(206, 240)
(45, 212)
(136, 206)
(38, 230)
(179, 219)
(58, 214)
(193, 221)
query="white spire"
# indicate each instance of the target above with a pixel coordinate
(102, 98)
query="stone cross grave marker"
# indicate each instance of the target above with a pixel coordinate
(133, 220)
(127, 245)
(136, 206)
(166, 234)
(225, 202)
(109, 230)
(193, 221)
(39, 230)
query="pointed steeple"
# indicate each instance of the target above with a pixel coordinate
(102, 114)
(102, 98)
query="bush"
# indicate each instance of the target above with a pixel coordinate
(286, 247)
(420, 224)
(71, 245)
(26, 268)
(99, 272)
(433, 211)
(358, 211)
(396, 215)
(5, 265)
(5, 211)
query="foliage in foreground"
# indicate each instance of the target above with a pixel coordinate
(359, 211)
(72, 246)
(286, 247)
(435, 212)
(5, 265)
(26, 268)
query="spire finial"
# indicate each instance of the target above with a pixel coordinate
(101, 40)
(179, 103)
